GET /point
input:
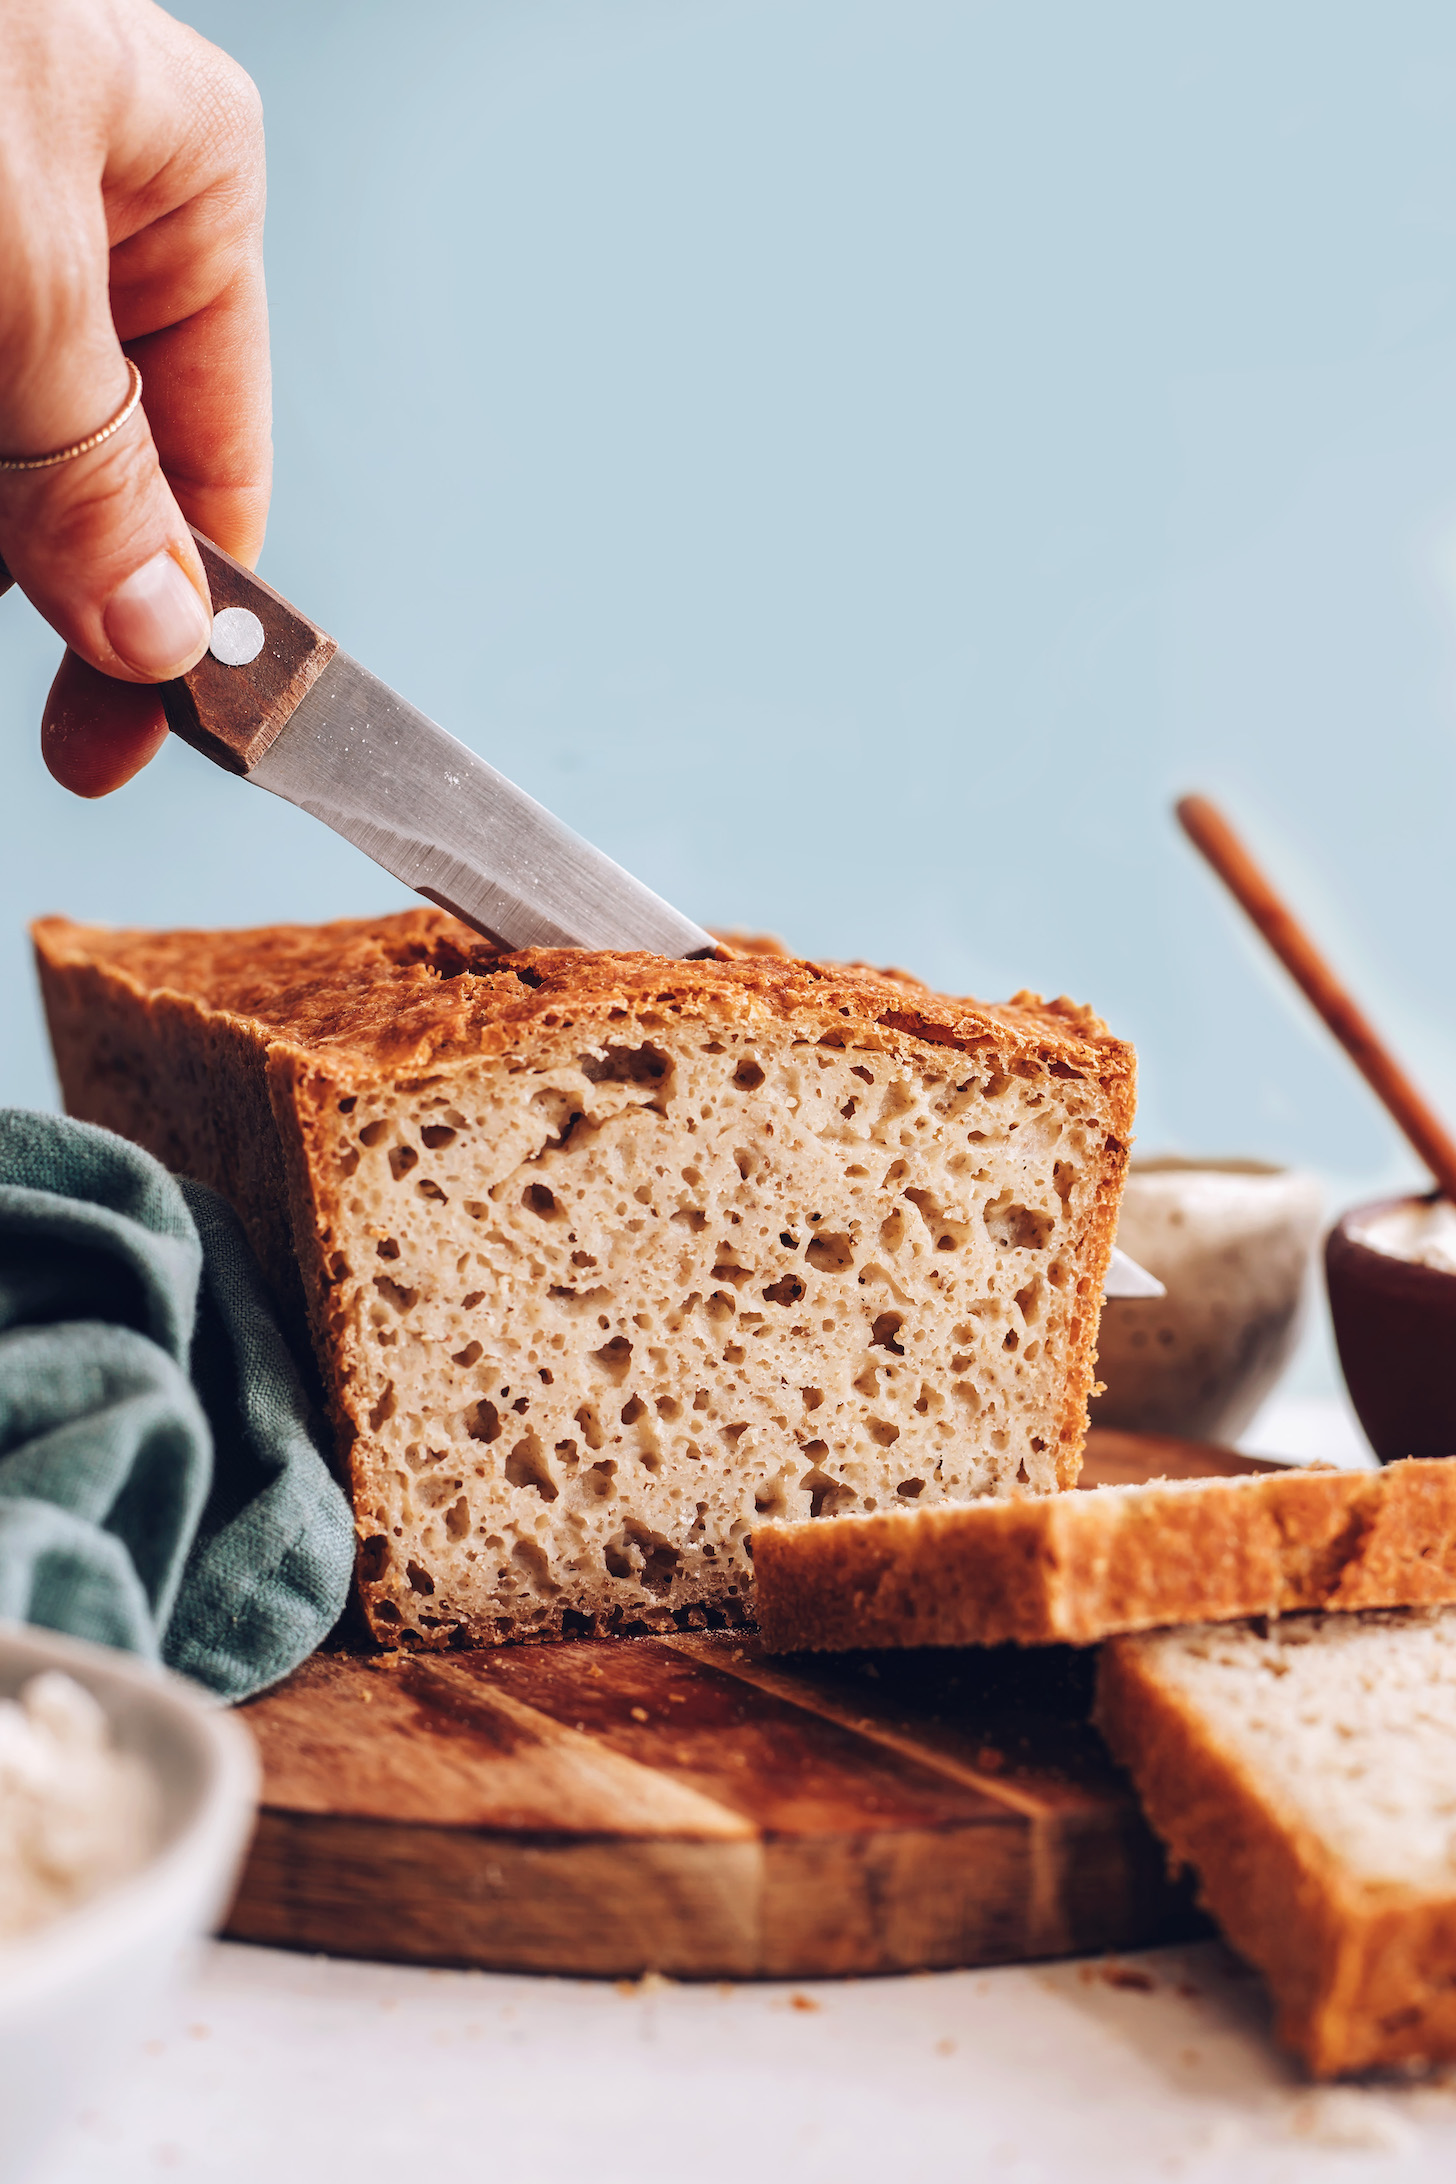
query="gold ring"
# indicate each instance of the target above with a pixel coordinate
(92, 439)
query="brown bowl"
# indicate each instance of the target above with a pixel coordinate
(1395, 1324)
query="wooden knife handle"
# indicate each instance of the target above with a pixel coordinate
(232, 714)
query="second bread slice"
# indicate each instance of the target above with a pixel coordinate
(1306, 1771)
(1078, 1567)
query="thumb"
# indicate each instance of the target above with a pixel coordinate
(97, 543)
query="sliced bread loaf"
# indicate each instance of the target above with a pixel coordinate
(605, 1258)
(1306, 1771)
(1117, 1558)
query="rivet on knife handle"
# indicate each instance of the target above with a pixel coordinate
(231, 714)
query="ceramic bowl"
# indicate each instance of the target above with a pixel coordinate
(1232, 1241)
(71, 1991)
(1395, 1324)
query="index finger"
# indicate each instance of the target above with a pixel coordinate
(209, 404)
(185, 197)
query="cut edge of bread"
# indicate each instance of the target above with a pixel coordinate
(1080, 1567)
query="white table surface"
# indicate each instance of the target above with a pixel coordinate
(299, 2070)
(279, 2068)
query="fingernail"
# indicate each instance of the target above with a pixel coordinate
(156, 620)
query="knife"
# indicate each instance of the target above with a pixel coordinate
(1125, 1278)
(276, 701)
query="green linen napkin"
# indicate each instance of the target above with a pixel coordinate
(160, 1485)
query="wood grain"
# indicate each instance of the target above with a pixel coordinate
(1116, 1458)
(689, 1806)
(233, 714)
(685, 1806)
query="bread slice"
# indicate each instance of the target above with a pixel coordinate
(1306, 1771)
(607, 1257)
(1116, 1558)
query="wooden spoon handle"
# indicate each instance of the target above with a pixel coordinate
(1210, 832)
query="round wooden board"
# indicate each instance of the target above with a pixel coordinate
(689, 1806)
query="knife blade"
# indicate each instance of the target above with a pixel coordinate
(446, 823)
(276, 701)
(1125, 1278)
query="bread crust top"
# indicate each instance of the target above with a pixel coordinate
(418, 989)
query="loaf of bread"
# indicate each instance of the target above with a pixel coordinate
(1306, 1771)
(607, 1258)
(1116, 1558)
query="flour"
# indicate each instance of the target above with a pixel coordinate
(1422, 1230)
(76, 1814)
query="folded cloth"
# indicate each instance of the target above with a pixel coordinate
(161, 1488)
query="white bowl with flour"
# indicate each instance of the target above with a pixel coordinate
(126, 1801)
(1232, 1242)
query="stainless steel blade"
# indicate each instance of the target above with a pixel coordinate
(451, 827)
(1125, 1278)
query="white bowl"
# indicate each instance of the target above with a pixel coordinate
(1231, 1240)
(72, 1990)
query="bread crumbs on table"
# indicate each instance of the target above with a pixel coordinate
(1128, 1977)
(649, 1983)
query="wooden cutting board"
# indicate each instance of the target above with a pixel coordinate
(689, 1806)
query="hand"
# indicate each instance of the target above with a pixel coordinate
(131, 224)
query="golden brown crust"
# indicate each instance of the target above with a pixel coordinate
(1256, 1878)
(1096, 1257)
(187, 1082)
(300, 1094)
(394, 993)
(1363, 1976)
(1080, 1567)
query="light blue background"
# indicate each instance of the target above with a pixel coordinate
(859, 460)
